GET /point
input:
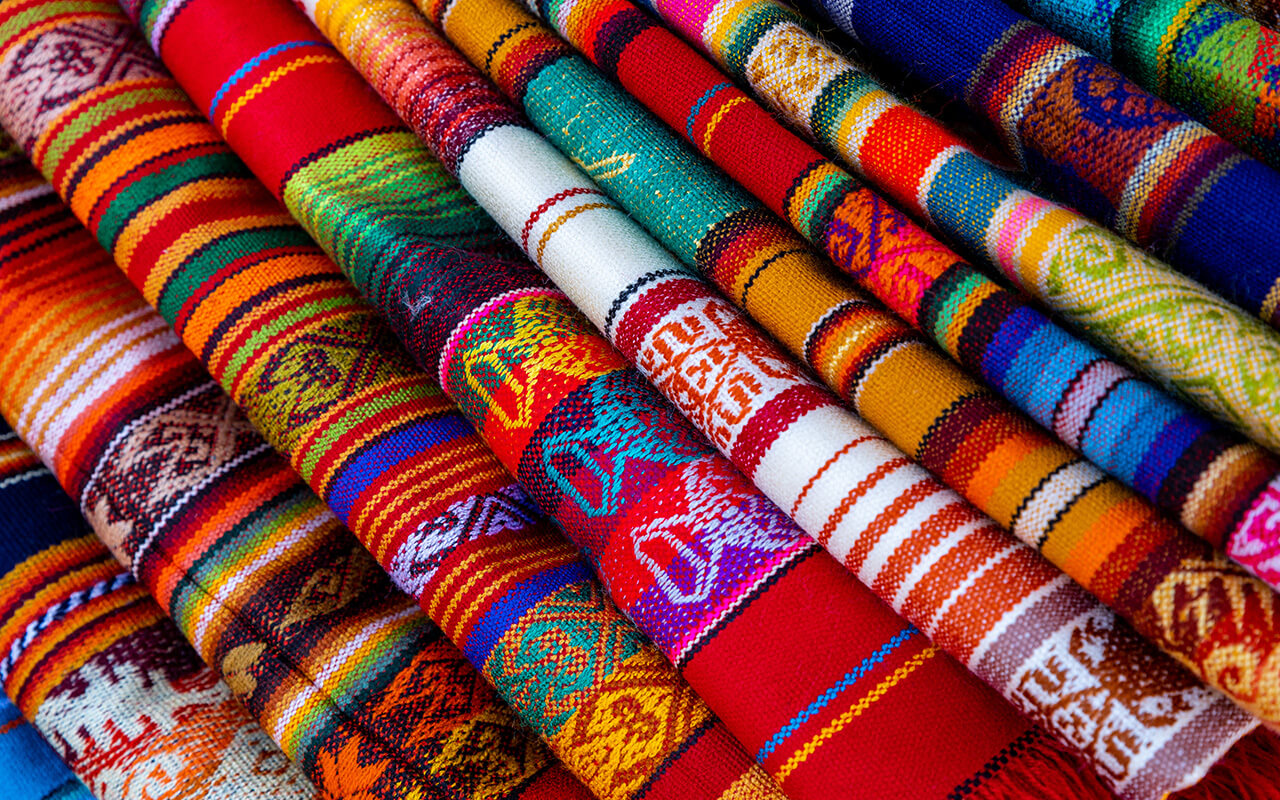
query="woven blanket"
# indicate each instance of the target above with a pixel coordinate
(1220, 486)
(460, 315)
(1218, 66)
(1098, 140)
(1266, 11)
(32, 771)
(340, 669)
(1116, 546)
(715, 572)
(100, 671)
(293, 343)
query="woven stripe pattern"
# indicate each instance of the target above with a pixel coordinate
(721, 576)
(303, 624)
(1219, 66)
(926, 406)
(1158, 320)
(100, 671)
(1105, 145)
(674, 327)
(1178, 460)
(317, 372)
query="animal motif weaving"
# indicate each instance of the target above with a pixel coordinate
(306, 629)
(1216, 483)
(1218, 66)
(293, 343)
(1099, 533)
(104, 676)
(1099, 141)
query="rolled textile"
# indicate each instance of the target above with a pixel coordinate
(1218, 66)
(342, 670)
(362, 425)
(344, 198)
(1097, 140)
(32, 771)
(867, 648)
(104, 676)
(324, 379)
(1103, 536)
(1219, 486)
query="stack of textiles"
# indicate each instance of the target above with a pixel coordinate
(481, 439)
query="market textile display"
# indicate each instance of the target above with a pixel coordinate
(1103, 536)
(1209, 478)
(292, 341)
(181, 42)
(105, 677)
(813, 700)
(32, 770)
(1097, 140)
(1219, 66)
(521, 177)
(342, 670)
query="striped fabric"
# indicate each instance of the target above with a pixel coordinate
(306, 629)
(1179, 461)
(714, 572)
(1218, 66)
(1105, 145)
(1223, 359)
(652, 308)
(32, 771)
(292, 342)
(1115, 545)
(100, 671)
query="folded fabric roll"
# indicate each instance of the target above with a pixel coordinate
(1220, 486)
(868, 652)
(1156, 319)
(1218, 66)
(32, 771)
(311, 636)
(1098, 140)
(1119, 548)
(472, 309)
(315, 369)
(99, 670)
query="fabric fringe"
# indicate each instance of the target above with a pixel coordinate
(1043, 769)
(1249, 771)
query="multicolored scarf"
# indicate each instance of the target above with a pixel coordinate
(1116, 546)
(1223, 488)
(295, 345)
(868, 651)
(305, 627)
(1218, 66)
(181, 43)
(96, 666)
(32, 771)
(1100, 141)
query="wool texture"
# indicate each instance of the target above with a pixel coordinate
(791, 438)
(108, 681)
(1102, 535)
(1218, 66)
(340, 668)
(1265, 11)
(294, 344)
(1220, 486)
(1099, 141)
(714, 572)
(32, 771)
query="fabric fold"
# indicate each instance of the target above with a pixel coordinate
(341, 670)
(102, 674)
(1097, 140)
(32, 770)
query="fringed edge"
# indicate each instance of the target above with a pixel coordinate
(1249, 771)
(1034, 766)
